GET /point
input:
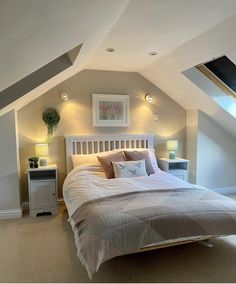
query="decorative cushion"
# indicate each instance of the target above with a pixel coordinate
(152, 156)
(106, 163)
(128, 169)
(140, 155)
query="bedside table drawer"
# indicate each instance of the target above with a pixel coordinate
(177, 167)
(42, 194)
(180, 174)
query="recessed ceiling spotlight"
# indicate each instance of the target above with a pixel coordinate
(153, 53)
(110, 49)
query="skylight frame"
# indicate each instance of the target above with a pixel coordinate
(217, 81)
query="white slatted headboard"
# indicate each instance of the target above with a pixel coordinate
(91, 144)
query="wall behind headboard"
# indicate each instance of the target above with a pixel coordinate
(76, 115)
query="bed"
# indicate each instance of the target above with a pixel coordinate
(113, 217)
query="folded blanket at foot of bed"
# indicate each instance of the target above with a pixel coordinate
(115, 225)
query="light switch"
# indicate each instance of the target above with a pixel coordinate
(155, 116)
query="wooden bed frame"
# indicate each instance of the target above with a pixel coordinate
(91, 144)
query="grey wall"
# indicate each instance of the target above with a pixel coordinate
(76, 115)
(214, 150)
(9, 174)
(216, 156)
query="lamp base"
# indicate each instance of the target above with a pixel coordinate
(172, 155)
(43, 162)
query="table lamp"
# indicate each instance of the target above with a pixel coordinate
(172, 147)
(41, 151)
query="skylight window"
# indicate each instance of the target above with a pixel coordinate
(225, 70)
(217, 78)
(222, 72)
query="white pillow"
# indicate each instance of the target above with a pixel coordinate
(85, 160)
(129, 169)
(89, 159)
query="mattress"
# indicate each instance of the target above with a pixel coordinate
(85, 183)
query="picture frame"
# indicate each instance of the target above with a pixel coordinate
(110, 110)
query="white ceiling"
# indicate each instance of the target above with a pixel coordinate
(157, 25)
(35, 32)
(167, 72)
(183, 32)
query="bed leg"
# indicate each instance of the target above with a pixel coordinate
(206, 243)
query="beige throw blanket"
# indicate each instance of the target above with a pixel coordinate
(115, 225)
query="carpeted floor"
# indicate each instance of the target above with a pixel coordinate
(42, 250)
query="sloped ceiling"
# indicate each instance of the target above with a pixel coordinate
(33, 33)
(167, 72)
(183, 33)
(157, 25)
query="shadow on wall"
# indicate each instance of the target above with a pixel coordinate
(9, 198)
(26, 151)
(216, 152)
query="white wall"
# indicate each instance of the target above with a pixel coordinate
(9, 175)
(212, 151)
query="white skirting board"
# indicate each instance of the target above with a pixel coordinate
(10, 214)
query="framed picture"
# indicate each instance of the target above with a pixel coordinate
(110, 110)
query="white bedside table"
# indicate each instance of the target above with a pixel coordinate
(177, 167)
(42, 186)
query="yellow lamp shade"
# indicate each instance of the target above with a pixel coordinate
(172, 145)
(41, 150)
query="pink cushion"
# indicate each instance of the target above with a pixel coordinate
(106, 163)
(139, 155)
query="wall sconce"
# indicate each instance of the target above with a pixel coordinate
(148, 98)
(64, 96)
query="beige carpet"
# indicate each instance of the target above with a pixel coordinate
(42, 250)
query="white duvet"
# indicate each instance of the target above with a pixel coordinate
(85, 183)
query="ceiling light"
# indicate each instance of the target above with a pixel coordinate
(64, 96)
(153, 53)
(110, 49)
(148, 98)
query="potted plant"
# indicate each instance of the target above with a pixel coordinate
(51, 118)
(33, 162)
